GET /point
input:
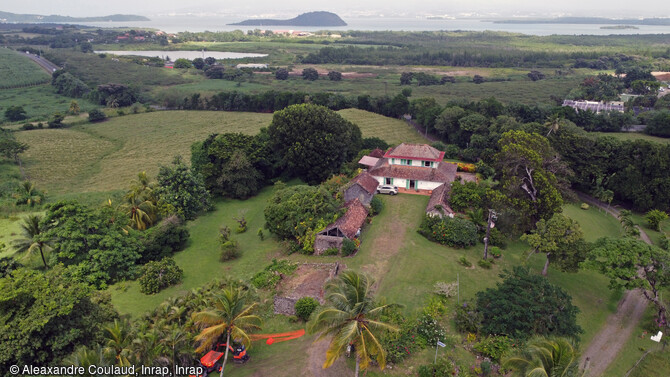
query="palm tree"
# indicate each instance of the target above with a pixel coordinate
(119, 338)
(351, 320)
(544, 357)
(177, 341)
(231, 316)
(85, 357)
(553, 124)
(28, 194)
(142, 212)
(30, 245)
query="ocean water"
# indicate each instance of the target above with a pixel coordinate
(174, 24)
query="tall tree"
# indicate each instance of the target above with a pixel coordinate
(544, 357)
(312, 142)
(181, 191)
(632, 264)
(561, 239)
(30, 244)
(532, 177)
(351, 318)
(230, 317)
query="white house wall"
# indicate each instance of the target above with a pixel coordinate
(425, 185)
(417, 163)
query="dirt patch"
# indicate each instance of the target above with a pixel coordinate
(308, 279)
(317, 356)
(662, 76)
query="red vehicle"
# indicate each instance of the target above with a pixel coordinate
(212, 360)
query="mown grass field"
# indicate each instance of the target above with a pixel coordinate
(18, 71)
(107, 156)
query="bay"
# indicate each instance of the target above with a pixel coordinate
(190, 55)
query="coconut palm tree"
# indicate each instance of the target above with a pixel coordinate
(85, 357)
(553, 124)
(351, 320)
(29, 245)
(230, 317)
(26, 193)
(177, 341)
(119, 337)
(545, 357)
(142, 212)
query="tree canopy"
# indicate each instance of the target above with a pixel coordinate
(181, 191)
(312, 142)
(525, 304)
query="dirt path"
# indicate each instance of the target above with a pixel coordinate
(317, 355)
(608, 342)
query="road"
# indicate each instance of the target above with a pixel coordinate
(619, 327)
(45, 64)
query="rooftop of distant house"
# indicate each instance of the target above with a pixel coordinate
(415, 151)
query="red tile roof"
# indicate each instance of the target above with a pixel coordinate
(445, 172)
(352, 220)
(366, 181)
(376, 153)
(415, 152)
(440, 196)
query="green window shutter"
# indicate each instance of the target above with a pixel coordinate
(431, 164)
(402, 161)
(409, 162)
(407, 184)
(391, 180)
(393, 161)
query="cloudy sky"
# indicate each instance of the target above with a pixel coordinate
(609, 8)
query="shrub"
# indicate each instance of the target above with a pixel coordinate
(402, 343)
(376, 205)
(468, 168)
(335, 76)
(310, 74)
(429, 328)
(331, 251)
(495, 251)
(483, 263)
(451, 151)
(455, 232)
(435, 307)
(464, 261)
(443, 367)
(56, 120)
(260, 234)
(96, 115)
(348, 247)
(28, 127)
(281, 74)
(654, 218)
(158, 275)
(270, 276)
(445, 289)
(230, 250)
(440, 146)
(304, 307)
(162, 240)
(494, 347)
(584, 206)
(468, 319)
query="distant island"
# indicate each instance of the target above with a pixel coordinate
(320, 19)
(620, 27)
(13, 17)
(588, 21)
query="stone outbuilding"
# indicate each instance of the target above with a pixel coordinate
(363, 188)
(348, 226)
(438, 205)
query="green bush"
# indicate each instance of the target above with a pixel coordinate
(158, 275)
(260, 234)
(654, 218)
(494, 347)
(429, 328)
(96, 115)
(304, 307)
(164, 239)
(454, 232)
(468, 319)
(376, 205)
(331, 251)
(464, 261)
(348, 247)
(270, 276)
(584, 206)
(230, 250)
(443, 367)
(495, 251)
(484, 264)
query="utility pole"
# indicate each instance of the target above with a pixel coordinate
(488, 234)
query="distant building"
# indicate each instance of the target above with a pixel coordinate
(252, 66)
(595, 106)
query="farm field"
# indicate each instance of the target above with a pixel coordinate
(18, 71)
(39, 101)
(107, 156)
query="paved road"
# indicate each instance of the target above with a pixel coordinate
(608, 342)
(45, 64)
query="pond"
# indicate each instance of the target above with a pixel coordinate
(190, 55)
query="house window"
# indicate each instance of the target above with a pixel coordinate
(389, 181)
(393, 161)
(428, 164)
(409, 162)
(403, 161)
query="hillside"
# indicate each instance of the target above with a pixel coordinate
(14, 17)
(305, 19)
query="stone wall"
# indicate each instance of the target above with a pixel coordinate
(323, 243)
(285, 305)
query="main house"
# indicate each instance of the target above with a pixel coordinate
(412, 167)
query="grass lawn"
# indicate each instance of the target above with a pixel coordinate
(107, 156)
(634, 136)
(39, 101)
(200, 259)
(595, 223)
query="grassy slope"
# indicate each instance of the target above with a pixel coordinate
(17, 70)
(39, 101)
(106, 156)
